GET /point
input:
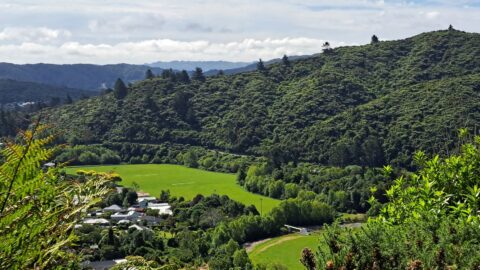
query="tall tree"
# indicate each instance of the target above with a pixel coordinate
(198, 75)
(285, 60)
(183, 77)
(374, 39)
(326, 47)
(260, 65)
(120, 90)
(149, 74)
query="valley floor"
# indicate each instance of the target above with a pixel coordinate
(183, 181)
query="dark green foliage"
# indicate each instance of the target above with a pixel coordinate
(18, 92)
(374, 39)
(120, 90)
(365, 105)
(198, 75)
(430, 221)
(260, 65)
(149, 74)
(285, 60)
(88, 154)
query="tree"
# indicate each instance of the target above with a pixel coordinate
(450, 28)
(120, 90)
(260, 65)
(164, 195)
(198, 75)
(131, 197)
(68, 100)
(149, 74)
(326, 47)
(285, 60)
(241, 259)
(38, 208)
(183, 77)
(374, 39)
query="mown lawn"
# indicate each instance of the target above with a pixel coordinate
(183, 181)
(285, 250)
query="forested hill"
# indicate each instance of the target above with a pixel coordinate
(12, 91)
(80, 76)
(365, 105)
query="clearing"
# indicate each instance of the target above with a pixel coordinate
(183, 181)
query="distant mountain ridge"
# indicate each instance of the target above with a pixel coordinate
(79, 76)
(205, 65)
(13, 92)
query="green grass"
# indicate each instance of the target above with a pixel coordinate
(183, 181)
(285, 250)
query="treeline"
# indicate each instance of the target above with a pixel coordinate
(134, 153)
(346, 189)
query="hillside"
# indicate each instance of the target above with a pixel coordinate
(12, 91)
(376, 102)
(80, 76)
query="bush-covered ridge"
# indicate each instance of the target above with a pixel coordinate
(371, 102)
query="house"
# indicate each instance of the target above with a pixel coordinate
(113, 208)
(142, 194)
(163, 208)
(150, 220)
(96, 221)
(130, 215)
(143, 201)
(136, 208)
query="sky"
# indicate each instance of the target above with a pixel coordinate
(145, 31)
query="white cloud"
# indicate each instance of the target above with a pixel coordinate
(32, 34)
(163, 49)
(432, 14)
(139, 31)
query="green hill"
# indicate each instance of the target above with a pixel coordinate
(366, 105)
(12, 91)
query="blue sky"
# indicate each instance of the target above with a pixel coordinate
(140, 31)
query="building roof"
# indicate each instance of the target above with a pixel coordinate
(163, 208)
(113, 207)
(96, 221)
(129, 214)
(149, 198)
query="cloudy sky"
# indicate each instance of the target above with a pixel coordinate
(144, 31)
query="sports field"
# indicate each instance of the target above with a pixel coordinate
(285, 250)
(183, 181)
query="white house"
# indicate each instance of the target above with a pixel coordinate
(96, 221)
(163, 208)
(131, 215)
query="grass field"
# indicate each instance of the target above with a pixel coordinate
(285, 250)
(183, 181)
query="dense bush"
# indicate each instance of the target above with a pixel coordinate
(359, 105)
(88, 155)
(430, 222)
